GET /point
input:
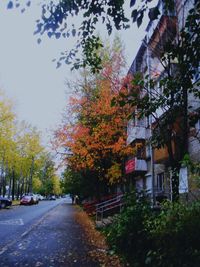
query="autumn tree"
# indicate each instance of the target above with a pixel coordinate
(94, 142)
(46, 174)
(30, 149)
(25, 165)
(7, 132)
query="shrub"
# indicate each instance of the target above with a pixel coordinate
(168, 238)
(128, 235)
(175, 236)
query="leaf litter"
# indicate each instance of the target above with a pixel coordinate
(99, 248)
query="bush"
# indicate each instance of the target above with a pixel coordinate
(144, 237)
(128, 235)
(175, 236)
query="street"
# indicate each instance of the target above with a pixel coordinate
(42, 235)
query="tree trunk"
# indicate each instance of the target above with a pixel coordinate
(31, 176)
(13, 184)
(175, 183)
(175, 167)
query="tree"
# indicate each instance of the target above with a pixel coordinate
(50, 182)
(96, 136)
(22, 157)
(37, 184)
(29, 146)
(7, 132)
(58, 15)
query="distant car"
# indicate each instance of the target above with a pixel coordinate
(5, 202)
(52, 197)
(35, 199)
(40, 197)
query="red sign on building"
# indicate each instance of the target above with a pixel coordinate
(130, 166)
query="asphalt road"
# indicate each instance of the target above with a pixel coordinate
(43, 235)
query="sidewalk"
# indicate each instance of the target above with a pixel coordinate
(100, 251)
(55, 239)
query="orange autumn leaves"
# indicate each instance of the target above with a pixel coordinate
(96, 136)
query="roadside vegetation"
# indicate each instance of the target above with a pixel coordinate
(100, 250)
(92, 137)
(166, 237)
(25, 165)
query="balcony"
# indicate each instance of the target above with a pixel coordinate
(136, 131)
(161, 193)
(135, 165)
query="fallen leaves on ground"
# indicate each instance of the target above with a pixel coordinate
(100, 249)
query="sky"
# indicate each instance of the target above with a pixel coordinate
(27, 74)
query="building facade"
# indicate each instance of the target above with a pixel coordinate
(149, 168)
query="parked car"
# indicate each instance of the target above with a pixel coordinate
(5, 202)
(51, 197)
(35, 199)
(26, 200)
(29, 199)
(40, 197)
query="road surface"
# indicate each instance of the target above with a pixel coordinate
(43, 235)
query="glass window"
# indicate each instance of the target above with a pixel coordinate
(160, 181)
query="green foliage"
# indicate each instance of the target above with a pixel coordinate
(24, 163)
(72, 182)
(84, 184)
(128, 234)
(194, 170)
(56, 22)
(171, 92)
(162, 238)
(174, 234)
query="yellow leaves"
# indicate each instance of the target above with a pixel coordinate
(36, 184)
(114, 173)
(97, 241)
(21, 150)
(56, 185)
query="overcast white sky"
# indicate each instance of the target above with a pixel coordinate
(27, 73)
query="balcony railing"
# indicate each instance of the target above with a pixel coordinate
(161, 193)
(136, 131)
(135, 165)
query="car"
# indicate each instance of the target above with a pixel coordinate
(26, 200)
(51, 197)
(40, 197)
(35, 199)
(29, 199)
(5, 202)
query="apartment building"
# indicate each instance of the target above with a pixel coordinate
(150, 170)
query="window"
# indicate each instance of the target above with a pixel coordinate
(148, 151)
(140, 151)
(198, 125)
(160, 181)
(196, 75)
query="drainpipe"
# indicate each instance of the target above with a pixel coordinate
(150, 126)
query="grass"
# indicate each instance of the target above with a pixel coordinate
(15, 202)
